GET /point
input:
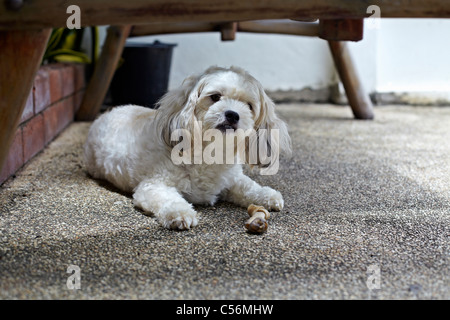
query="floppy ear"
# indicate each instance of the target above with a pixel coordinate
(272, 133)
(176, 109)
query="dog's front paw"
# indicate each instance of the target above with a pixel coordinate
(273, 200)
(179, 217)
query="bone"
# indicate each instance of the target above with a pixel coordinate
(257, 223)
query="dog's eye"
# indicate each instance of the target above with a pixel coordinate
(215, 97)
(250, 106)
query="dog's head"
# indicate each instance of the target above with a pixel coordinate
(225, 100)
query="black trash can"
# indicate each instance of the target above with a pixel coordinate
(143, 76)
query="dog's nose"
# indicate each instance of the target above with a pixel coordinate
(231, 116)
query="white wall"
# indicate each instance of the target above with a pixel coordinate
(402, 56)
(413, 55)
(279, 62)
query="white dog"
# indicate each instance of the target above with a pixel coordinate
(131, 147)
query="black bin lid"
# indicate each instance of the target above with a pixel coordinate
(156, 44)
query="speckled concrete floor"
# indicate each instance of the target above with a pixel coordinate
(360, 196)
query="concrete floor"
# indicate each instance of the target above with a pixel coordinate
(367, 208)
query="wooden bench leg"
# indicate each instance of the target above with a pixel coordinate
(103, 73)
(20, 57)
(358, 99)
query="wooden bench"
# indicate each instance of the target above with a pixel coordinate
(335, 31)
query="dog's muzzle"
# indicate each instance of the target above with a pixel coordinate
(231, 121)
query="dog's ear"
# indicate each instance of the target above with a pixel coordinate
(272, 133)
(176, 109)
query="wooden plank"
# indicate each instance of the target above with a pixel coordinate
(280, 27)
(103, 73)
(341, 29)
(49, 13)
(20, 57)
(176, 27)
(357, 97)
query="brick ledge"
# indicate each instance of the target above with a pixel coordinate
(51, 105)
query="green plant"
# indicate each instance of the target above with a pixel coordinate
(64, 45)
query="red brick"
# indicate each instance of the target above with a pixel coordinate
(33, 137)
(55, 78)
(68, 80)
(28, 111)
(66, 115)
(57, 117)
(15, 157)
(51, 122)
(41, 90)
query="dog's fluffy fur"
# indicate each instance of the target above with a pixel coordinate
(131, 146)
